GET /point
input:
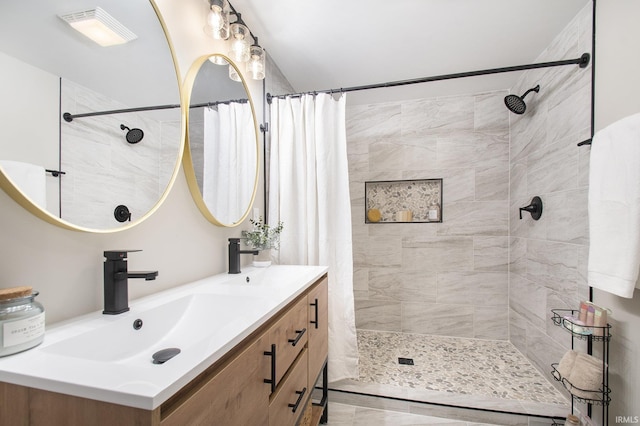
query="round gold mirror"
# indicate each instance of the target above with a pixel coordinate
(92, 131)
(222, 155)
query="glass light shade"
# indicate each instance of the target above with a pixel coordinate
(217, 25)
(218, 60)
(255, 66)
(233, 74)
(239, 38)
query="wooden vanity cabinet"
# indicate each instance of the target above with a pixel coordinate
(318, 298)
(235, 390)
(225, 397)
(290, 335)
(288, 401)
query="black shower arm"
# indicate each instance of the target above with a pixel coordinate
(534, 89)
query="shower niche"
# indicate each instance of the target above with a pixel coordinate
(403, 201)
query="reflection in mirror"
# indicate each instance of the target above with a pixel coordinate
(222, 162)
(108, 153)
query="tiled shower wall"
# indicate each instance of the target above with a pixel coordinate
(452, 278)
(549, 257)
(446, 278)
(102, 169)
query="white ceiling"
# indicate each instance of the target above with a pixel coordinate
(318, 45)
(342, 43)
(139, 73)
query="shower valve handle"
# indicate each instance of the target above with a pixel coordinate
(535, 208)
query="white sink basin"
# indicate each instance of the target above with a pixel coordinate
(103, 357)
(181, 323)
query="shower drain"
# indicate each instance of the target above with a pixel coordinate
(405, 361)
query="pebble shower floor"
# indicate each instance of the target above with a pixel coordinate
(487, 368)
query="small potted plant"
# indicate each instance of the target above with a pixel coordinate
(263, 238)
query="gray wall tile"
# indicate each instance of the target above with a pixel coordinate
(465, 141)
(492, 162)
(490, 253)
(548, 258)
(438, 319)
(378, 315)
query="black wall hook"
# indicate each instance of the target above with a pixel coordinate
(535, 208)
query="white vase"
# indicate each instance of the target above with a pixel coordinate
(262, 259)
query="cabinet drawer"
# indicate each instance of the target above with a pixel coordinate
(318, 328)
(290, 336)
(236, 395)
(288, 402)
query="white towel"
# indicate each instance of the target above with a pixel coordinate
(566, 363)
(586, 377)
(614, 207)
(30, 179)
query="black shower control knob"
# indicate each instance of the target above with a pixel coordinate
(122, 213)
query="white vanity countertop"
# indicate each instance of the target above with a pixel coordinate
(134, 380)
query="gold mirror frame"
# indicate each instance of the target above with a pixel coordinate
(187, 159)
(7, 185)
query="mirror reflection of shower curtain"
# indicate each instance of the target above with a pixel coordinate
(309, 192)
(230, 158)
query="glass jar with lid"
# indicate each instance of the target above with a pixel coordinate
(21, 320)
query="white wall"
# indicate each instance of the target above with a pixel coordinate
(66, 266)
(617, 96)
(20, 139)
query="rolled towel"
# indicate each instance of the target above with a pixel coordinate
(566, 363)
(586, 377)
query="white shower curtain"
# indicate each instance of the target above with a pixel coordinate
(309, 192)
(230, 157)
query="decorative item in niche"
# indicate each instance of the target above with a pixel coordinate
(403, 201)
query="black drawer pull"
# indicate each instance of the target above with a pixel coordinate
(272, 380)
(298, 337)
(301, 393)
(315, 305)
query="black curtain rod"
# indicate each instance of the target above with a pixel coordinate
(583, 61)
(68, 117)
(210, 104)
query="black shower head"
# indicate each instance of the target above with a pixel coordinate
(516, 103)
(133, 135)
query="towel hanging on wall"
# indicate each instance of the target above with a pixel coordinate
(614, 207)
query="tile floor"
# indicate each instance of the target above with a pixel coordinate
(351, 415)
(475, 373)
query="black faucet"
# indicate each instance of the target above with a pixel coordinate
(116, 292)
(234, 255)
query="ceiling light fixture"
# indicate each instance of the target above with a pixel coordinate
(217, 25)
(241, 50)
(99, 26)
